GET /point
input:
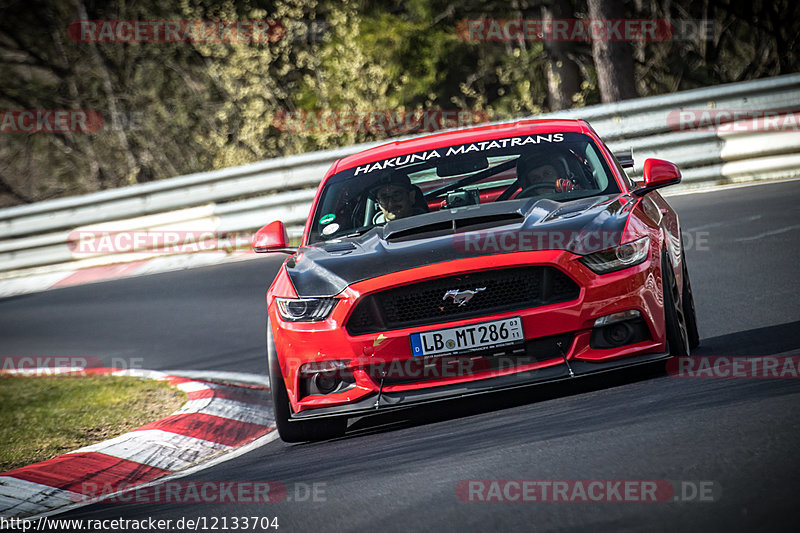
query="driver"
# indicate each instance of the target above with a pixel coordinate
(396, 198)
(545, 170)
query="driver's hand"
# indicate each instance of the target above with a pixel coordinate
(565, 185)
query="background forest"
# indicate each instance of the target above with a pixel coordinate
(173, 108)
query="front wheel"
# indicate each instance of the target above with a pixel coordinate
(688, 308)
(675, 320)
(295, 430)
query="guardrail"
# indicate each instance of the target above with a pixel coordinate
(241, 199)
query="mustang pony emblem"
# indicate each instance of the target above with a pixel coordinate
(462, 297)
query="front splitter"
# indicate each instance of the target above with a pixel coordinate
(393, 401)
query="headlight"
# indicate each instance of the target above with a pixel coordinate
(305, 309)
(623, 256)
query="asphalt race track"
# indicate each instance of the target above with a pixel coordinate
(400, 473)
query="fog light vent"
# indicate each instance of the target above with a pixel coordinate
(619, 329)
(321, 378)
(326, 383)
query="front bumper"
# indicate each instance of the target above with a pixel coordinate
(392, 401)
(637, 288)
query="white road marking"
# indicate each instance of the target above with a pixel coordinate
(715, 188)
(141, 373)
(768, 233)
(725, 223)
(192, 386)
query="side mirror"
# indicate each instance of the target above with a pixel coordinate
(271, 238)
(658, 173)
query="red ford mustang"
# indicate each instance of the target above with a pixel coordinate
(468, 262)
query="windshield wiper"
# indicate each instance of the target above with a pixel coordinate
(356, 233)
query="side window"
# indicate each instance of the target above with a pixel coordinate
(598, 169)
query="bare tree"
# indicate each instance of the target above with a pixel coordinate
(613, 59)
(563, 73)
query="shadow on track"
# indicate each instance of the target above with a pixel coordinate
(497, 401)
(769, 340)
(756, 342)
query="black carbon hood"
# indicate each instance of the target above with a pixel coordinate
(580, 226)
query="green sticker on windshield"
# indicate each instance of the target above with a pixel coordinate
(327, 219)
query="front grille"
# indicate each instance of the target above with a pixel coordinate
(419, 369)
(508, 289)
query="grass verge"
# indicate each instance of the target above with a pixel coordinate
(43, 417)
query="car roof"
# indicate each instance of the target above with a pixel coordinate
(479, 133)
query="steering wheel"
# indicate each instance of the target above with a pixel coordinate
(532, 189)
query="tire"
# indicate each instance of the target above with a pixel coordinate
(294, 430)
(675, 320)
(688, 307)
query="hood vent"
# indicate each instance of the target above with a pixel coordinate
(452, 226)
(339, 247)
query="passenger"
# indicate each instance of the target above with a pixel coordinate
(396, 198)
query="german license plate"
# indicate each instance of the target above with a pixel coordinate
(487, 335)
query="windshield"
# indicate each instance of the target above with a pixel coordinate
(558, 166)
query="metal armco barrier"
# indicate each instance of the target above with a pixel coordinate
(242, 199)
